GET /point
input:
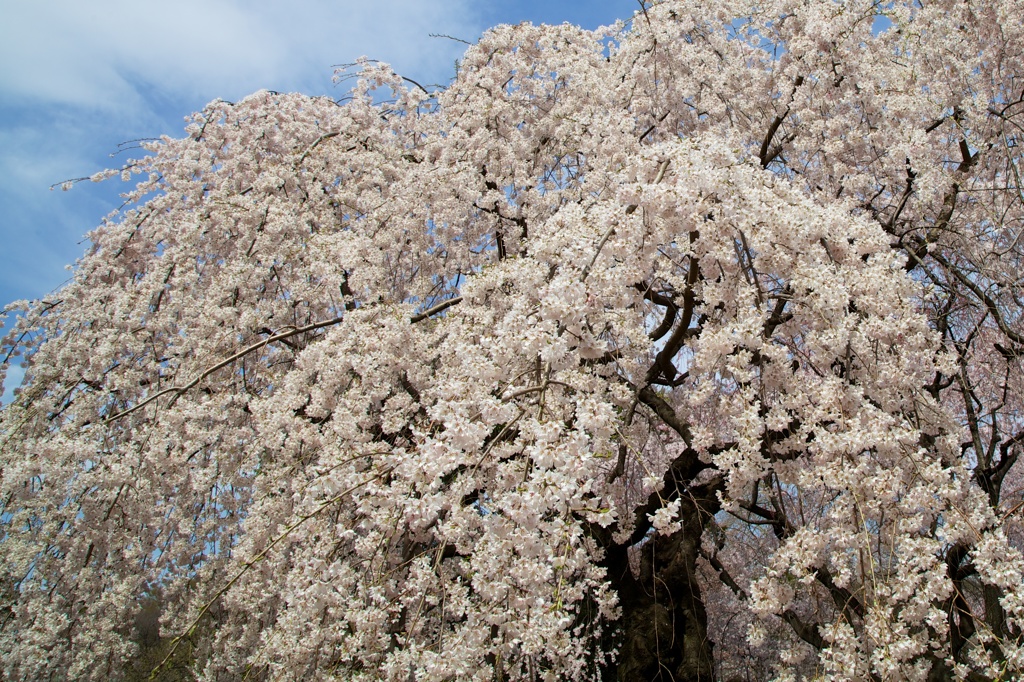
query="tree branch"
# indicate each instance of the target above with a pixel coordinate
(178, 390)
(435, 310)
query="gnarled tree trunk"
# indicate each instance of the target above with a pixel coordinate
(663, 630)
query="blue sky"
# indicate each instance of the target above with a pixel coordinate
(77, 78)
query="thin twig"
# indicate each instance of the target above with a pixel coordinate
(445, 35)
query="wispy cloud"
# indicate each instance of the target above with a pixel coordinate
(109, 54)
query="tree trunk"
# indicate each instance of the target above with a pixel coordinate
(663, 633)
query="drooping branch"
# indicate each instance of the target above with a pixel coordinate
(179, 390)
(671, 310)
(650, 397)
(783, 529)
(258, 558)
(991, 305)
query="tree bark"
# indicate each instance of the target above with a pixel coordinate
(663, 633)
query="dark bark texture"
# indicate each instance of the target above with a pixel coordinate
(663, 633)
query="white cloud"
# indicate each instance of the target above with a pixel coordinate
(41, 230)
(112, 54)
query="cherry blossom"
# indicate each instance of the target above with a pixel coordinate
(683, 348)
